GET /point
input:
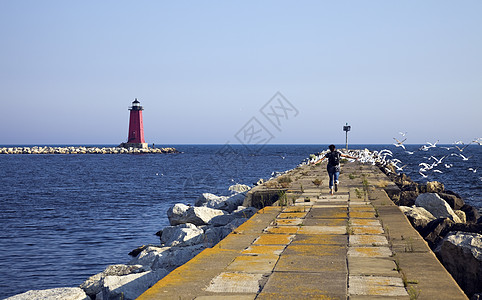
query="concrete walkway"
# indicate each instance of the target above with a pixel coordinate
(353, 245)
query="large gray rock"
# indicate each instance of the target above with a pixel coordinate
(436, 206)
(182, 214)
(221, 220)
(64, 293)
(418, 216)
(226, 203)
(245, 212)
(454, 201)
(148, 256)
(461, 254)
(461, 215)
(129, 287)
(181, 235)
(239, 188)
(93, 285)
(166, 258)
(176, 256)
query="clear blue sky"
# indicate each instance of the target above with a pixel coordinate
(203, 69)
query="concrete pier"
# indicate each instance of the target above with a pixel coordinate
(354, 245)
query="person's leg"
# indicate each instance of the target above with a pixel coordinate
(335, 177)
(331, 175)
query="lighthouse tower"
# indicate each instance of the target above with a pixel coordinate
(136, 127)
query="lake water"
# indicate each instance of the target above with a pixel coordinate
(66, 217)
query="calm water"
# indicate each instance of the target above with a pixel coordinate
(66, 217)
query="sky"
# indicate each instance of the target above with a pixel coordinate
(215, 72)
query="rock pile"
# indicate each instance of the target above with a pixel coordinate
(451, 228)
(193, 228)
(83, 150)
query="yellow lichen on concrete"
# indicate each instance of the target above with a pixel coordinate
(317, 239)
(369, 252)
(296, 215)
(365, 222)
(282, 230)
(287, 222)
(186, 273)
(293, 209)
(322, 230)
(253, 263)
(274, 239)
(264, 249)
(362, 214)
(367, 229)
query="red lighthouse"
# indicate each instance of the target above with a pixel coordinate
(136, 127)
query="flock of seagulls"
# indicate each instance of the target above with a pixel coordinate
(433, 162)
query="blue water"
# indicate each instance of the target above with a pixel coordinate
(66, 217)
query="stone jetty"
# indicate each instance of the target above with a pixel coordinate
(84, 150)
(287, 238)
(308, 244)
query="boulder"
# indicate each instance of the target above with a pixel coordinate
(181, 235)
(471, 213)
(245, 212)
(129, 287)
(418, 216)
(221, 220)
(93, 284)
(166, 258)
(454, 201)
(220, 202)
(64, 293)
(461, 215)
(235, 224)
(436, 230)
(213, 235)
(148, 256)
(461, 254)
(176, 256)
(239, 188)
(182, 214)
(433, 187)
(407, 198)
(436, 206)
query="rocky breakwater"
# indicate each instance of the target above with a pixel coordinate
(83, 150)
(192, 229)
(452, 228)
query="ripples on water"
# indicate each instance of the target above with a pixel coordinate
(66, 217)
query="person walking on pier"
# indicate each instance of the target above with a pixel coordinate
(333, 166)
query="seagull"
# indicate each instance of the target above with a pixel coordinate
(448, 166)
(473, 170)
(438, 161)
(400, 168)
(437, 171)
(461, 149)
(478, 141)
(410, 153)
(446, 148)
(399, 143)
(403, 134)
(423, 175)
(464, 158)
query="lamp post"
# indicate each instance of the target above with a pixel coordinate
(346, 128)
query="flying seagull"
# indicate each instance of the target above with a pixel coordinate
(399, 143)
